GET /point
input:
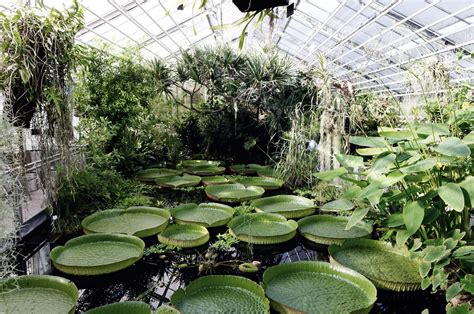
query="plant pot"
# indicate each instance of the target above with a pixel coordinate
(258, 5)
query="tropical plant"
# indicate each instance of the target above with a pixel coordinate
(298, 287)
(97, 254)
(233, 193)
(204, 214)
(184, 236)
(289, 206)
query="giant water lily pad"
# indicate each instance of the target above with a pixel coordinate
(178, 181)
(199, 162)
(96, 254)
(221, 294)
(150, 175)
(128, 307)
(215, 180)
(205, 170)
(289, 206)
(266, 171)
(326, 229)
(205, 214)
(386, 266)
(185, 236)
(246, 169)
(37, 294)
(262, 228)
(233, 192)
(317, 287)
(268, 183)
(140, 221)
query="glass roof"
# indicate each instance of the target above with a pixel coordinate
(372, 43)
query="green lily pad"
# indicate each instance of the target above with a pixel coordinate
(205, 214)
(266, 171)
(37, 294)
(262, 228)
(150, 175)
(199, 162)
(178, 181)
(205, 170)
(139, 221)
(233, 192)
(166, 309)
(268, 183)
(326, 229)
(184, 236)
(221, 294)
(317, 287)
(289, 206)
(246, 169)
(128, 307)
(386, 266)
(96, 254)
(215, 180)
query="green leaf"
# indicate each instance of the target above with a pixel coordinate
(337, 205)
(389, 180)
(398, 135)
(463, 251)
(468, 283)
(468, 186)
(330, 174)
(351, 192)
(402, 237)
(460, 309)
(425, 283)
(434, 253)
(453, 291)
(469, 140)
(413, 214)
(454, 147)
(422, 165)
(383, 163)
(371, 151)
(357, 215)
(367, 141)
(424, 269)
(394, 220)
(428, 129)
(350, 161)
(369, 191)
(452, 195)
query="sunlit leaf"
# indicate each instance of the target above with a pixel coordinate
(453, 146)
(413, 214)
(452, 195)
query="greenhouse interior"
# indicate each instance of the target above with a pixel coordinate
(236, 156)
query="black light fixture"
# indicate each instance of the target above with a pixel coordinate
(258, 5)
(181, 7)
(290, 10)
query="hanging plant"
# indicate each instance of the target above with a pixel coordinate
(38, 58)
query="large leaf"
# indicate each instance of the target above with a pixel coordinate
(221, 294)
(454, 147)
(328, 229)
(389, 180)
(268, 183)
(468, 186)
(199, 162)
(386, 266)
(419, 166)
(469, 140)
(413, 214)
(233, 192)
(205, 170)
(317, 287)
(246, 169)
(338, 205)
(383, 163)
(371, 151)
(330, 174)
(38, 294)
(178, 181)
(357, 215)
(96, 254)
(139, 221)
(205, 214)
(452, 195)
(367, 141)
(289, 206)
(349, 161)
(127, 307)
(184, 236)
(397, 134)
(433, 129)
(262, 228)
